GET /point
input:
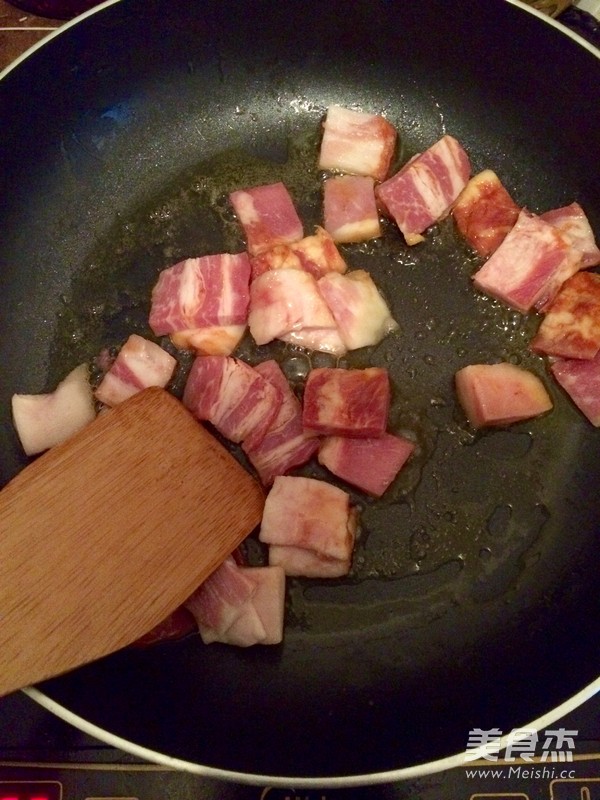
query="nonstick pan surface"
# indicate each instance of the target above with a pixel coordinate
(472, 601)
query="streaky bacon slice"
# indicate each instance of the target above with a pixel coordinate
(286, 444)
(347, 402)
(299, 561)
(286, 304)
(581, 381)
(267, 215)
(232, 396)
(316, 254)
(423, 191)
(574, 225)
(267, 605)
(571, 327)
(43, 420)
(361, 314)
(484, 212)
(500, 394)
(369, 464)
(357, 142)
(220, 600)
(201, 292)
(139, 364)
(350, 209)
(178, 624)
(530, 266)
(212, 341)
(313, 523)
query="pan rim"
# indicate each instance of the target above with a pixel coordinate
(456, 760)
(107, 3)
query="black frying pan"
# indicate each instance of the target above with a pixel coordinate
(473, 601)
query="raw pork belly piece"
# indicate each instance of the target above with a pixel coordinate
(43, 420)
(572, 222)
(530, 266)
(581, 381)
(325, 340)
(423, 191)
(347, 402)
(240, 605)
(316, 254)
(369, 464)
(571, 327)
(139, 364)
(500, 394)
(309, 526)
(349, 208)
(286, 444)
(201, 292)
(286, 304)
(236, 399)
(268, 216)
(212, 341)
(268, 604)
(361, 313)
(485, 212)
(356, 142)
(178, 624)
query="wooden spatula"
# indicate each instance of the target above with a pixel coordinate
(104, 535)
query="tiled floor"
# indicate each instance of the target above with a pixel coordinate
(19, 31)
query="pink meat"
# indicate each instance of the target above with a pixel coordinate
(298, 561)
(369, 464)
(530, 265)
(500, 394)
(286, 444)
(309, 515)
(485, 212)
(43, 420)
(360, 312)
(349, 208)
(236, 399)
(267, 607)
(423, 191)
(286, 304)
(268, 216)
(356, 142)
(572, 222)
(241, 606)
(201, 292)
(212, 341)
(347, 402)
(220, 600)
(139, 364)
(316, 254)
(571, 327)
(178, 624)
(581, 381)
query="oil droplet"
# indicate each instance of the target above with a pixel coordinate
(419, 544)
(438, 402)
(485, 553)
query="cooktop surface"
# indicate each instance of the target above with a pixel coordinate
(43, 758)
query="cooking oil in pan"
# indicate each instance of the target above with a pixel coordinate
(468, 513)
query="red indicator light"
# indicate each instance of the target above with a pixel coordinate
(30, 790)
